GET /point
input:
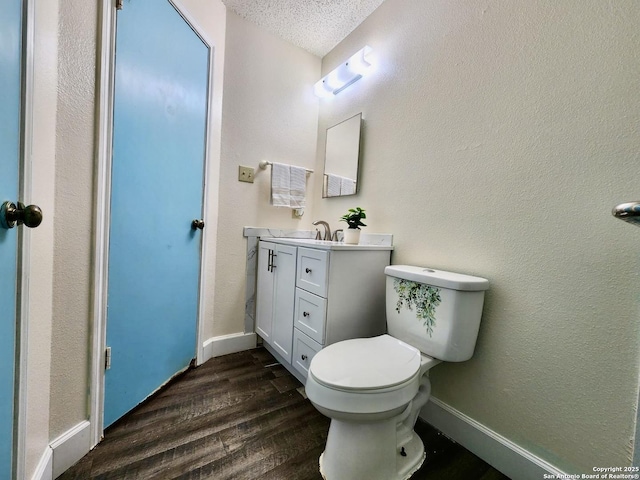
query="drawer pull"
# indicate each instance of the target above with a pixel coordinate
(304, 357)
(307, 270)
(305, 314)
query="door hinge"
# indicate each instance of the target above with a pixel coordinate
(119, 4)
(107, 358)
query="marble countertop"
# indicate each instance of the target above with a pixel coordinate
(326, 245)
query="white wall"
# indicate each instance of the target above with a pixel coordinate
(73, 218)
(269, 113)
(497, 137)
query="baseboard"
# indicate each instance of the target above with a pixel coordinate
(70, 447)
(225, 344)
(44, 469)
(499, 452)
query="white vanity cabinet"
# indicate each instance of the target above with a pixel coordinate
(336, 292)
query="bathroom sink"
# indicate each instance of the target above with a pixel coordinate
(327, 245)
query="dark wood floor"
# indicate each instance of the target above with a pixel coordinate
(240, 416)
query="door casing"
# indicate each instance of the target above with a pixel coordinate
(24, 253)
(103, 201)
(24, 239)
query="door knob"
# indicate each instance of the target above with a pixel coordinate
(10, 215)
(197, 224)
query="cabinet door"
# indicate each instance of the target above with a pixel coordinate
(264, 291)
(284, 299)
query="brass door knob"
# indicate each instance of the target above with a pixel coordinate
(197, 224)
(12, 215)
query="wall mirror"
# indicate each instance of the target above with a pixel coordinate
(341, 158)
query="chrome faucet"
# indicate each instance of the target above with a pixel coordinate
(327, 230)
(335, 235)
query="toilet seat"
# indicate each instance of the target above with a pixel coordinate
(364, 376)
(359, 364)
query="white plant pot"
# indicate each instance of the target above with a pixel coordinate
(352, 236)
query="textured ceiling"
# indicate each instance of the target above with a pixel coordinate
(315, 25)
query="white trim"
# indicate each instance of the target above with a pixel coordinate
(70, 447)
(225, 344)
(498, 451)
(44, 469)
(202, 291)
(193, 22)
(104, 128)
(24, 239)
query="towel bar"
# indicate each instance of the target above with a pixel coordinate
(264, 164)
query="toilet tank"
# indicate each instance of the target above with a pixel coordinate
(437, 312)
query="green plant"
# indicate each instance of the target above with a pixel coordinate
(354, 217)
(425, 299)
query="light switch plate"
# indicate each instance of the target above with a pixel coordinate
(246, 174)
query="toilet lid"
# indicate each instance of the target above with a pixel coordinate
(366, 363)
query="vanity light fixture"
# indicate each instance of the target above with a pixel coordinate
(344, 75)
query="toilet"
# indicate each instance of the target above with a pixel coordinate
(372, 389)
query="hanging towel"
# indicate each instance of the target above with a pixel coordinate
(298, 186)
(347, 186)
(280, 185)
(333, 185)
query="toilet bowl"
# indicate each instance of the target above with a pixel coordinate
(372, 389)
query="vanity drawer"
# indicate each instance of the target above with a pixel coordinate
(313, 267)
(304, 350)
(310, 314)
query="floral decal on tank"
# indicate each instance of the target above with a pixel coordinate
(424, 298)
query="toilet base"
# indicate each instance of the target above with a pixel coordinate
(376, 451)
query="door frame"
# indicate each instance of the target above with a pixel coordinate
(24, 240)
(104, 134)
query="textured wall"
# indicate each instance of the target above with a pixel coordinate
(269, 113)
(497, 137)
(78, 23)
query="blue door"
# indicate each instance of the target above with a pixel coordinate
(160, 112)
(10, 103)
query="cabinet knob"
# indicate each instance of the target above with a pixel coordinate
(304, 357)
(305, 314)
(308, 270)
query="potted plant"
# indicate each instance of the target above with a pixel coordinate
(354, 218)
